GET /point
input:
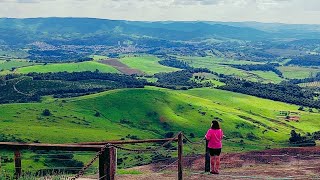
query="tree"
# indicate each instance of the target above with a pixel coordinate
(46, 112)
(295, 137)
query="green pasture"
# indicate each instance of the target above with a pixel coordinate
(147, 64)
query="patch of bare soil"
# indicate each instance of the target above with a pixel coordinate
(121, 67)
(286, 163)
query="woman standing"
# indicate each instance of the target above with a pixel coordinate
(214, 136)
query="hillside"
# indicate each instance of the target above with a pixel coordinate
(150, 113)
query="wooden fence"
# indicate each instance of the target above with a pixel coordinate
(107, 159)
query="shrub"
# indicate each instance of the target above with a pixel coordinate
(192, 135)
(46, 112)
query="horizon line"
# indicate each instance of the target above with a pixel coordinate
(100, 18)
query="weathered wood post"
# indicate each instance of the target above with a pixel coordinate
(17, 164)
(207, 158)
(180, 151)
(107, 164)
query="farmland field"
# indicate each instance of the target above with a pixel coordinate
(123, 68)
(268, 76)
(14, 63)
(146, 64)
(69, 67)
(311, 84)
(216, 64)
(295, 72)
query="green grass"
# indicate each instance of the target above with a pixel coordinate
(8, 65)
(219, 65)
(295, 72)
(98, 57)
(268, 76)
(124, 171)
(69, 67)
(147, 64)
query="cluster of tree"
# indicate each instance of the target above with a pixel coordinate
(316, 135)
(180, 79)
(124, 80)
(9, 95)
(68, 85)
(297, 140)
(175, 63)
(279, 92)
(174, 79)
(260, 67)
(307, 60)
(305, 80)
(57, 56)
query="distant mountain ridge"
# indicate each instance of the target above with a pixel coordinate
(24, 31)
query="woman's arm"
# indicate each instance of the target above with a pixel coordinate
(208, 135)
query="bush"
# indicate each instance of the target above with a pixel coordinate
(97, 114)
(169, 135)
(46, 112)
(192, 135)
(301, 141)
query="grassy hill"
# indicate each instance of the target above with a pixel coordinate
(69, 67)
(150, 113)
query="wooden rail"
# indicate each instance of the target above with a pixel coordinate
(130, 141)
(58, 147)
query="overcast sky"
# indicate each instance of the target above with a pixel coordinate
(286, 11)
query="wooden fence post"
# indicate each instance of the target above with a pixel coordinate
(17, 163)
(107, 164)
(207, 158)
(180, 151)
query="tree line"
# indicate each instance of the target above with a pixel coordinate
(307, 60)
(180, 79)
(175, 63)
(260, 67)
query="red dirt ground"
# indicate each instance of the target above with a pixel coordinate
(287, 163)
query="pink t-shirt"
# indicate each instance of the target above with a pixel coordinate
(214, 136)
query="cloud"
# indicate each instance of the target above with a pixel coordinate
(287, 11)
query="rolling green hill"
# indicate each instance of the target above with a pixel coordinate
(150, 113)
